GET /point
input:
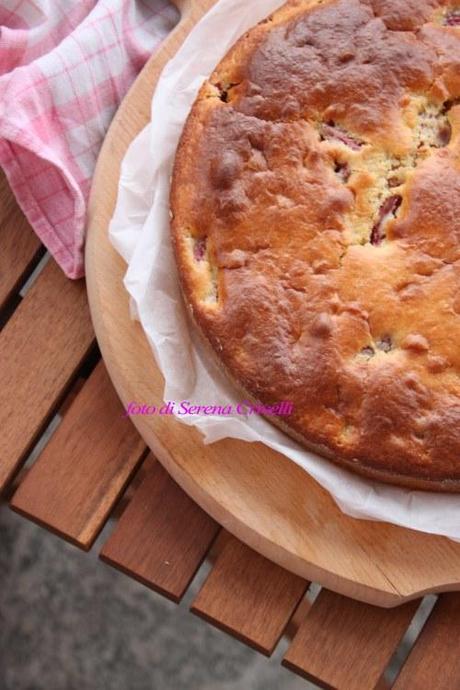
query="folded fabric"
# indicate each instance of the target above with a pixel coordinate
(65, 65)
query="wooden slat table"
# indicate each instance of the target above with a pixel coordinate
(95, 466)
(92, 460)
(346, 644)
(20, 248)
(249, 596)
(162, 537)
(75, 499)
(50, 325)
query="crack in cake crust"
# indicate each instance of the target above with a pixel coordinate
(316, 204)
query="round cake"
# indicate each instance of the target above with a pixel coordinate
(316, 226)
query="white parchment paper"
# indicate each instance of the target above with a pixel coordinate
(140, 233)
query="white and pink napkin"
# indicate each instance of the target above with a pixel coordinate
(65, 66)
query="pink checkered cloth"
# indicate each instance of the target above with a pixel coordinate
(65, 65)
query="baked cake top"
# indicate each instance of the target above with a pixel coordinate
(316, 223)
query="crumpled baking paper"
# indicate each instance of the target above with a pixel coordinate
(140, 233)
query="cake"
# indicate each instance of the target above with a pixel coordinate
(316, 225)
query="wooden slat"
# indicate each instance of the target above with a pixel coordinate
(249, 596)
(41, 347)
(345, 644)
(74, 484)
(162, 537)
(434, 662)
(20, 248)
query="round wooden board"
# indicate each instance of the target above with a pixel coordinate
(255, 493)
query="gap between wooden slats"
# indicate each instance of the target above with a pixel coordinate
(20, 248)
(434, 661)
(249, 597)
(74, 484)
(162, 537)
(345, 644)
(41, 348)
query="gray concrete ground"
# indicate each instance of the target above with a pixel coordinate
(69, 622)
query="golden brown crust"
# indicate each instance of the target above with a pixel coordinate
(316, 225)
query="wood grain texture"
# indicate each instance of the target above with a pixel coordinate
(435, 660)
(74, 484)
(19, 245)
(255, 493)
(345, 644)
(162, 537)
(249, 596)
(41, 347)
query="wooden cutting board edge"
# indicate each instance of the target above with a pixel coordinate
(261, 497)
